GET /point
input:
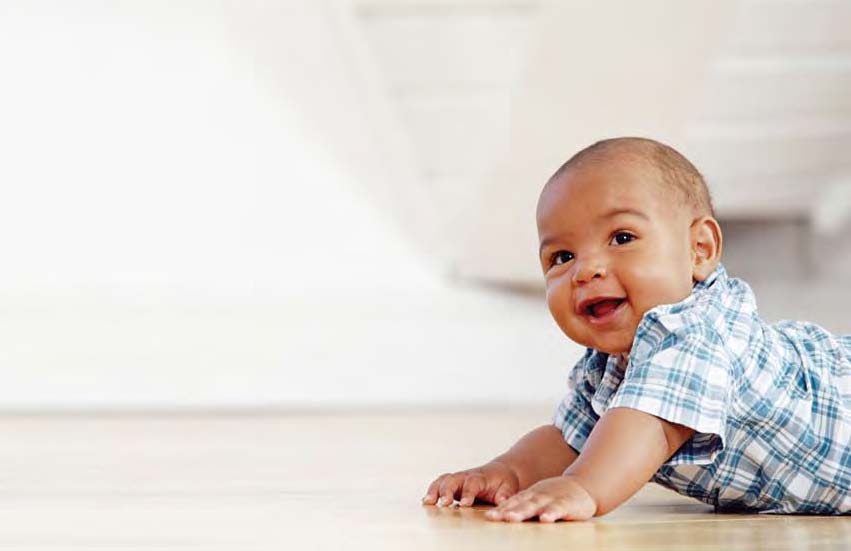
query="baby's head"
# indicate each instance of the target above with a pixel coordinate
(624, 225)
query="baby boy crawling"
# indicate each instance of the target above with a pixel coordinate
(682, 383)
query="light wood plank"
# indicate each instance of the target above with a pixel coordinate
(316, 481)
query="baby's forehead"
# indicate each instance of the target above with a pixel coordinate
(581, 203)
(643, 169)
(628, 180)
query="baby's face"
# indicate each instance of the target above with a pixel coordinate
(614, 244)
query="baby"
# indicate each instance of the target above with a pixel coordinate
(682, 383)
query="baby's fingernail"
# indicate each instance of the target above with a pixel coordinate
(441, 502)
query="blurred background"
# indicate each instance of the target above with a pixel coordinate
(279, 204)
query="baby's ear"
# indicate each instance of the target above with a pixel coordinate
(706, 240)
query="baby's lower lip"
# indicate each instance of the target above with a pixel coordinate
(606, 318)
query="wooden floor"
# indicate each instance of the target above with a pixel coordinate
(329, 481)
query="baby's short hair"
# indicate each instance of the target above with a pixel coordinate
(675, 170)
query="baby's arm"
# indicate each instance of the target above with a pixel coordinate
(623, 451)
(542, 453)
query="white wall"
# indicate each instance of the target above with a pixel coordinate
(195, 214)
(185, 224)
(161, 146)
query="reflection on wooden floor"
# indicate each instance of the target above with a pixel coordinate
(316, 481)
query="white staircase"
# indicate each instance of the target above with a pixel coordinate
(491, 96)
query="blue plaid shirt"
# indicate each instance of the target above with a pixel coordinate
(770, 404)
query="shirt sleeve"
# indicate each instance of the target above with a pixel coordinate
(574, 416)
(679, 371)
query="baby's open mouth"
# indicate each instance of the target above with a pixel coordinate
(603, 307)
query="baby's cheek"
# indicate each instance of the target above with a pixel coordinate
(555, 299)
(558, 303)
(652, 287)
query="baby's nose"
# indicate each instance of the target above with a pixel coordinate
(586, 271)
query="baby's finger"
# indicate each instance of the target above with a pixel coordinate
(473, 486)
(520, 507)
(507, 504)
(430, 497)
(558, 509)
(565, 509)
(503, 492)
(447, 490)
(523, 511)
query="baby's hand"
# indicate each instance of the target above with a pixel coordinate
(493, 482)
(550, 499)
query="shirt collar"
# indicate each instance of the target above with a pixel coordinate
(719, 273)
(596, 362)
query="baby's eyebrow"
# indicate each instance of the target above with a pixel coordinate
(544, 243)
(617, 211)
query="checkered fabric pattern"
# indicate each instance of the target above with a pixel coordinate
(770, 404)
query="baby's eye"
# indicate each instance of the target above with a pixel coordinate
(622, 238)
(561, 257)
